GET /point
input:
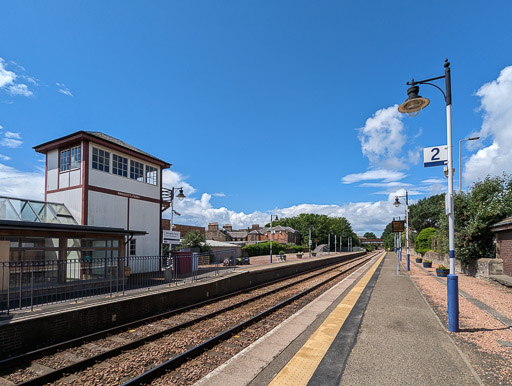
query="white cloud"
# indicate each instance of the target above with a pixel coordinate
(7, 77)
(8, 81)
(377, 174)
(172, 179)
(218, 194)
(496, 158)
(382, 139)
(4, 157)
(10, 134)
(12, 140)
(16, 183)
(20, 89)
(434, 181)
(384, 184)
(64, 90)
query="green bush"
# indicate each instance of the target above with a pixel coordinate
(263, 249)
(424, 240)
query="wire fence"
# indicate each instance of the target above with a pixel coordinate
(26, 284)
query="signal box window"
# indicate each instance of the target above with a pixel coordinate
(100, 160)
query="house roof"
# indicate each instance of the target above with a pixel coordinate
(502, 225)
(214, 243)
(100, 138)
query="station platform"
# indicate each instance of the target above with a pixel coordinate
(399, 340)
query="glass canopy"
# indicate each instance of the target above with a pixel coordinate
(15, 209)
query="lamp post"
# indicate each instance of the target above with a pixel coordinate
(168, 195)
(397, 204)
(275, 218)
(329, 243)
(460, 162)
(412, 107)
(310, 242)
(335, 243)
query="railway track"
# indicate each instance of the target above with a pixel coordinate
(137, 353)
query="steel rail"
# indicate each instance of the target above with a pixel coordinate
(16, 360)
(88, 362)
(177, 361)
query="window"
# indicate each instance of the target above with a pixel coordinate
(64, 160)
(75, 157)
(100, 160)
(70, 159)
(133, 247)
(151, 175)
(136, 171)
(119, 165)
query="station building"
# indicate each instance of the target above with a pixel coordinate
(105, 182)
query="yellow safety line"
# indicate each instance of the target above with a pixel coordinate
(300, 369)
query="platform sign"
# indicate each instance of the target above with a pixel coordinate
(398, 226)
(171, 237)
(435, 156)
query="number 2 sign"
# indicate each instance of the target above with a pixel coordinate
(435, 156)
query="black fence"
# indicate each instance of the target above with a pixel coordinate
(26, 284)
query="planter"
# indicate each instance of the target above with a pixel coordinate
(427, 265)
(313, 254)
(442, 272)
(419, 260)
(299, 255)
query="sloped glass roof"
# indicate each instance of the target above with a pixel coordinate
(15, 209)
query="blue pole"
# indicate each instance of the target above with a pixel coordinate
(453, 303)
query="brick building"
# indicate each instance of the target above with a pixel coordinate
(183, 229)
(281, 234)
(227, 233)
(503, 231)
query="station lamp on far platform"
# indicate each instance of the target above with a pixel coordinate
(397, 204)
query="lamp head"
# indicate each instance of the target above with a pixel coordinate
(397, 202)
(180, 195)
(414, 102)
(276, 218)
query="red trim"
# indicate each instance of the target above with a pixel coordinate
(123, 194)
(83, 136)
(85, 183)
(46, 177)
(64, 189)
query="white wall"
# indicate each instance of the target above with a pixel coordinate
(71, 198)
(144, 216)
(107, 210)
(52, 169)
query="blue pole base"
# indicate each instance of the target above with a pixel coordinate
(408, 262)
(453, 303)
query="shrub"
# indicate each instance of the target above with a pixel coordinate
(424, 240)
(263, 249)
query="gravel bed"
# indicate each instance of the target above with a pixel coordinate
(480, 334)
(135, 362)
(191, 372)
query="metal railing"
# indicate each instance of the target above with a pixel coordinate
(26, 284)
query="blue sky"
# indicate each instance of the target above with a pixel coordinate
(261, 106)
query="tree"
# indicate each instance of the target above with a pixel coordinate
(195, 239)
(424, 240)
(484, 204)
(321, 225)
(426, 213)
(369, 235)
(388, 237)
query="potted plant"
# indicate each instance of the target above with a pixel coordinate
(282, 256)
(442, 271)
(419, 259)
(299, 255)
(313, 254)
(427, 263)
